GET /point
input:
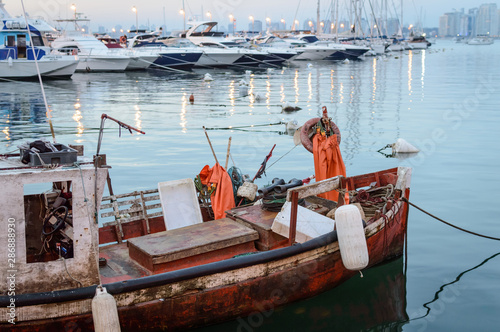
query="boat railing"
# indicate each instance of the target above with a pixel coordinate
(7, 52)
(137, 206)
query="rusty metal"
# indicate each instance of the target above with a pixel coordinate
(293, 218)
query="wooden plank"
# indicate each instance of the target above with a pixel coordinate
(315, 188)
(191, 240)
(144, 213)
(153, 206)
(128, 202)
(135, 193)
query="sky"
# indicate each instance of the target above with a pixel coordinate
(109, 13)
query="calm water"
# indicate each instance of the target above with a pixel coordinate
(443, 100)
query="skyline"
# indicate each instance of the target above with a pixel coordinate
(153, 12)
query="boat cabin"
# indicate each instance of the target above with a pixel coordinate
(16, 43)
(51, 213)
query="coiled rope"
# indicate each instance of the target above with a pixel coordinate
(404, 199)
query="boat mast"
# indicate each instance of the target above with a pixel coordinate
(337, 21)
(401, 24)
(318, 25)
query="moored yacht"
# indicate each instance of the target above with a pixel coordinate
(21, 47)
(480, 40)
(204, 35)
(176, 58)
(94, 55)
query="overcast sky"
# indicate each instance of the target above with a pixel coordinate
(111, 12)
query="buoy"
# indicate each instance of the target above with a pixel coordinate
(402, 146)
(351, 235)
(346, 61)
(248, 72)
(243, 90)
(286, 107)
(208, 77)
(292, 125)
(309, 65)
(247, 190)
(257, 97)
(104, 311)
(191, 99)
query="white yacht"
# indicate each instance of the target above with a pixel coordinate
(204, 35)
(17, 59)
(480, 40)
(94, 55)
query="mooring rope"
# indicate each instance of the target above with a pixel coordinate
(449, 224)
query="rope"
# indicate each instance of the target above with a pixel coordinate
(449, 224)
(268, 167)
(248, 126)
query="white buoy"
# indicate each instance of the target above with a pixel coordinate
(351, 235)
(257, 97)
(10, 62)
(208, 77)
(243, 90)
(292, 125)
(309, 65)
(402, 146)
(346, 61)
(104, 311)
(247, 190)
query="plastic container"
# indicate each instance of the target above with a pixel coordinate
(309, 223)
(64, 155)
(179, 203)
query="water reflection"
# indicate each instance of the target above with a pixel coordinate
(376, 301)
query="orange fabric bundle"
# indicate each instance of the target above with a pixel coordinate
(328, 162)
(222, 198)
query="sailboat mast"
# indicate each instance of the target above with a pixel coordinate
(401, 25)
(318, 25)
(337, 21)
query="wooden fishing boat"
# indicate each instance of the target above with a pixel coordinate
(205, 273)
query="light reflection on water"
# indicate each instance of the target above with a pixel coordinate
(373, 102)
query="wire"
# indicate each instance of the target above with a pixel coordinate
(449, 224)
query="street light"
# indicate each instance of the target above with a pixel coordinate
(284, 23)
(183, 13)
(295, 24)
(310, 25)
(73, 6)
(134, 9)
(268, 22)
(253, 20)
(209, 15)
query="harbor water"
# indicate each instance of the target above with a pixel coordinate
(444, 100)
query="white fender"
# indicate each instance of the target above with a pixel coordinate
(351, 235)
(105, 312)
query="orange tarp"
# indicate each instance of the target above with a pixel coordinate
(222, 198)
(328, 162)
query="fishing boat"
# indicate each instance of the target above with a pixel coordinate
(21, 48)
(164, 264)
